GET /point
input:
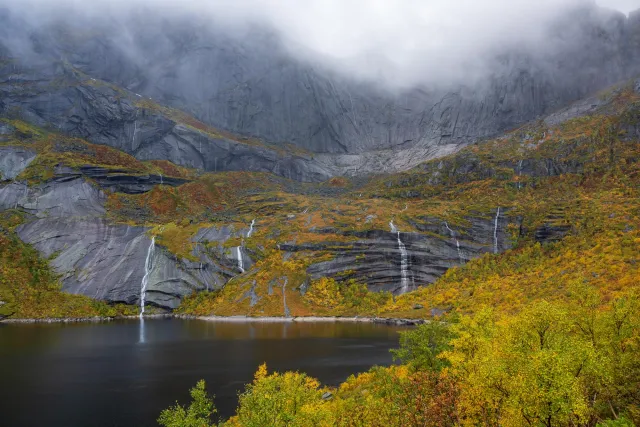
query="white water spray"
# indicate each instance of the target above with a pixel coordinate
(148, 264)
(240, 259)
(135, 131)
(239, 255)
(453, 236)
(519, 173)
(404, 261)
(253, 222)
(495, 232)
(161, 183)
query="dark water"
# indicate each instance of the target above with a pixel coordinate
(119, 374)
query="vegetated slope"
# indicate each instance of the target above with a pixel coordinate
(265, 245)
(569, 206)
(30, 289)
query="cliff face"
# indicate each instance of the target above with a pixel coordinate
(92, 210)
(276, 133)
(247, 84)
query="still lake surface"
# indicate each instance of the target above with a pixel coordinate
(124, 373)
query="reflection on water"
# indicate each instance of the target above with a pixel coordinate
(141, 340)
(123, 373)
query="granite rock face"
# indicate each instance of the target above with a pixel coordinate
(375, 257)
(75, 198)
(259, 109)
(116, 180)
(249, 84)
(14, 160)
(60, 97)
(107, 261)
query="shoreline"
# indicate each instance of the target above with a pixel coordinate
(238, 319)
(312, 319)
(96, 319)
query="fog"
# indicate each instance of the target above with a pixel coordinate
(401, 43)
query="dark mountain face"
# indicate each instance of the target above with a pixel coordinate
(245, 82)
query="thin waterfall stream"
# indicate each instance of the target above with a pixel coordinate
(519, 173)
(239, 255)
(253, 222)
(495, 232)
(135, 131)
(404, 261)
(148, 265)
(453, 236)
(240, 259)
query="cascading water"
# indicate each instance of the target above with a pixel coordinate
(495, 232)
(404, 261)
(520, 173)
(135, 131)
(239, 255)
(147, 271)
(240, 259)
(453, 236)
(253, 222)
(161, 183)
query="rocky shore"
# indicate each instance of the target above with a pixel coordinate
(379, 320)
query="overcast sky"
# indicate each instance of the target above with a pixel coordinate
(402, 41)
(622, 5)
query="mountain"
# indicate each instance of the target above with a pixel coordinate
(246, 83)
(225, 176)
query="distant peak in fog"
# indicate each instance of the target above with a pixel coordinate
(402, 43)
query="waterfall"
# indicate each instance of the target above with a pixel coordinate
(404, 261)
(240, 260)
(148, 264)
(519, 173)
(495, 232)
(161, 179)
(453, 236)
(253, 222)
(135, 131)
(287, 313)
(239, 248)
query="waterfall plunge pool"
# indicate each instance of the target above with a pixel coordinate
(123, 373)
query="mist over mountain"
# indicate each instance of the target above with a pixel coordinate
(365, 89)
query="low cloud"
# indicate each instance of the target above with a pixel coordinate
(399, 42)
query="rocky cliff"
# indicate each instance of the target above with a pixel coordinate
(248, 84)
(92, 213)
(216, 162)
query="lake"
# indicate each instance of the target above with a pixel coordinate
(123, 373)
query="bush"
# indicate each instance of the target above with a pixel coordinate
(421, 347)
(198, 414)
(290, 399)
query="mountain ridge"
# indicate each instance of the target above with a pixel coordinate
(248, 85)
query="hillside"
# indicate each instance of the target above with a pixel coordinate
(532, 214)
